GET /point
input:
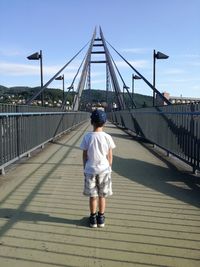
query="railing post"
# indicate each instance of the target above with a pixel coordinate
(2, 171)
(194, 170)
(18, 132)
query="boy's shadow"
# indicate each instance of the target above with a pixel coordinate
(16, 215)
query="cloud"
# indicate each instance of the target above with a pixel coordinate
(11, 52)
(135, 63)
(190, 56)
(98, 81)
(196, 88)
(135, 50)
(97, 73)
(195, 64)
(174, 71)
(14, 69)
(186, 80)
(17, 69)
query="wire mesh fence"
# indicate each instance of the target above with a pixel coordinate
(175, 128)
(23, 132)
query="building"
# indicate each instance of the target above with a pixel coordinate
(176, 99)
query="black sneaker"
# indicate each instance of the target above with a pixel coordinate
(93, 220)
(101, 220)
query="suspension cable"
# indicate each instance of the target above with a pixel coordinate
(125, 86)
(72, 83)
(142, 77)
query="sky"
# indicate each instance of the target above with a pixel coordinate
(60, 28)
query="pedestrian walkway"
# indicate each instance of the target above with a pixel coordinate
(153, 218)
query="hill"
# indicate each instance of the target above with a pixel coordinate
(55, 95)
(99, 96)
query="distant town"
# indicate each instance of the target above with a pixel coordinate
(180, 99)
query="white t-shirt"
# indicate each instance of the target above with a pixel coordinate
(97, 145)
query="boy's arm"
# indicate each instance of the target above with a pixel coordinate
(84, 157)
(110, 156)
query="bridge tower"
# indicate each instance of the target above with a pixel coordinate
(98, 46)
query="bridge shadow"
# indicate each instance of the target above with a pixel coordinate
(171, 182)
(19, 214)
(185, 133)
(129, 136)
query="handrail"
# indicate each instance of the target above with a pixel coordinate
(9, 114)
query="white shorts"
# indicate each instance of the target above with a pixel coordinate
(98, 185)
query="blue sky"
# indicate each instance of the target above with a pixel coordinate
(134, 27)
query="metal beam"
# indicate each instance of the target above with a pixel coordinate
(81, 84)
(113, 76)
(98, 52)
(98, 61)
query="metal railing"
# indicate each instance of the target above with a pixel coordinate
(174, 128)
(23, 132)
(7, 108)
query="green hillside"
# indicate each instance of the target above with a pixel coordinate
(54, 95)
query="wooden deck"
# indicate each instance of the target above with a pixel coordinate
(153, 218)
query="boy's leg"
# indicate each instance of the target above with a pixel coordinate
(93, 208)
(90, 189)
(101, 217)
(93, 205)
(104, 190)
(102, 205)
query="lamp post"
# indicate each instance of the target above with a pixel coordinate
(157, 55)
(134, 77)
(62, 77)
(38, 56)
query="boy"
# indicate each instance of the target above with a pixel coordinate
(97, 161)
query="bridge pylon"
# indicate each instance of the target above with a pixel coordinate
(98, 46)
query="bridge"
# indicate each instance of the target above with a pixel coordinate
(152, 219)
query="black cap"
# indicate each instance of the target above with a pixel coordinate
(98, 116)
